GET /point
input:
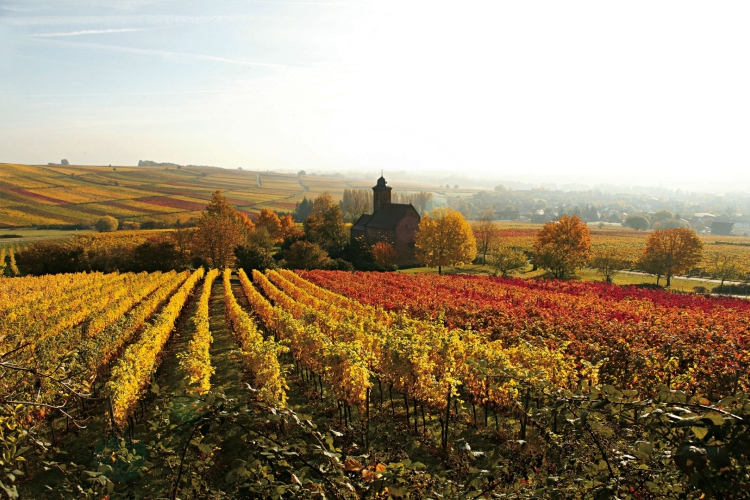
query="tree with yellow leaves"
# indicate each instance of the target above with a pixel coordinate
(219, 230)
(563, 246)
(444, 238)
(269, 220)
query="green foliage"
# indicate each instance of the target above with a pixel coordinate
(306, 255)
(637, 222)
(253, 256)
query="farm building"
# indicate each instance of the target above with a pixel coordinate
(392, 223)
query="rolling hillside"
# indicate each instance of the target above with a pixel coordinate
(67, 195)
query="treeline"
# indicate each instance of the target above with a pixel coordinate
(221, 237)
(541, 205)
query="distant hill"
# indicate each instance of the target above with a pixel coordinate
(149, 163)
(70, 195)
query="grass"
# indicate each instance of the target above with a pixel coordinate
(31, 234)
(585, 274)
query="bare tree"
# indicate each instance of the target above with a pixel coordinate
(485, 232)
(355, 203)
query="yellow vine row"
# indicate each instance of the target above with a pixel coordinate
(68, 310)
(196, 361)
(23, 292)
(133, 370)
(260, 355)
(344, 365)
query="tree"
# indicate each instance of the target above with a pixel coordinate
(663, 214)
(563, 246)
(220, 228)
(106, 224)
(444, 238)
(325, 225)
(421, 201)
(637, 222)
(270, 221)
(302, 210)
(247, 222)
(355, 203)
(724, 265)
(507, 261)
(261, 238)
(608, 261)
(669, 224)
(157, 254)
(384, 255)
(306, 255)
(183, 237)
(359, 252)
(671, 251)
(254, 257)
(287, 226)
(485, 232)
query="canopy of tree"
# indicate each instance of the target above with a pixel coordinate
(307, 255)
(637, 222)
(485, 233)
(254, 257)
(608, 261)
(270, 221)
(669, 224)
(302, 210)
(355, 203)
(671, 251)
(507, 261)
(563, 246)
(384, 255)
(444, 238)
(325, 225)
(219, 229)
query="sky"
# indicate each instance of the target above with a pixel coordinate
(639, 92)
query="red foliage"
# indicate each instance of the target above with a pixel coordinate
(686, 341)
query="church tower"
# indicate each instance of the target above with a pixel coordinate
(381, 194)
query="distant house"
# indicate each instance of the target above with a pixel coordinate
(721, 228)
(392, 223)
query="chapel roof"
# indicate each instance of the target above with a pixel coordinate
(388, 216)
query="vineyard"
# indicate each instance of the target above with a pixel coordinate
(323, 384)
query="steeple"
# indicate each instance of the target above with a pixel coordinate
(381, 194)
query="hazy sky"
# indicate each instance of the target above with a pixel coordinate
(640, 91)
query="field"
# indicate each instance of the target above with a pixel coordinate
(368, 385)
(67, 195)
(630, 243)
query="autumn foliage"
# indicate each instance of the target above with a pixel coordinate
(444, 238)
(384, 255)
(671, 251)
(219, 230)
(563, 246)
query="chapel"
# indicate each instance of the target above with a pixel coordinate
(393, 223)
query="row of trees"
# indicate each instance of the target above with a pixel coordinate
(224, 237)
(356, 202)
(565, 245)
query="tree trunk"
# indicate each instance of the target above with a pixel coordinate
(669, 279)
(440, 269)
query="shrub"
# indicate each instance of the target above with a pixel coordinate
(106, 224)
